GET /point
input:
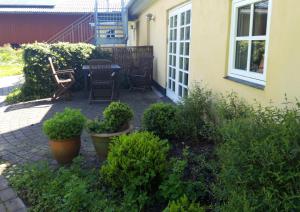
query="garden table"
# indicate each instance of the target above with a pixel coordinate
(86, 72)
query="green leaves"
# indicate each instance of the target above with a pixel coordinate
(66, 125)
(136, 164)
(116, 116)
(260, 160)
(160, 118)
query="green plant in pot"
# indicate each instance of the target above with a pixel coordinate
(115, 122)
(64, 131)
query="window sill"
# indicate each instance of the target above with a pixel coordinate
(244, 82)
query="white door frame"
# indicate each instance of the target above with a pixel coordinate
(178, 59)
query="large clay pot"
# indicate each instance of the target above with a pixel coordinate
(102, 141)
(64, 151)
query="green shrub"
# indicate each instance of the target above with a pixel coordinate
(72, 188)
(160, 118)
(14, 97)
(196, 115)
(190, 175)
(65, 125)
(136, 164)
(183, 205)
(260, 161)
(116, 116)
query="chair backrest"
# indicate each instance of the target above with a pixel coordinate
(101, 61)
(100, 70)
(54, 73)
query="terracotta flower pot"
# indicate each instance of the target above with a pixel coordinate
(64, 151)
(102, 141)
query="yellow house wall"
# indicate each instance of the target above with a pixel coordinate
(211, 21)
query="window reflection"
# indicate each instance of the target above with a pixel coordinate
(257, 56)
(243, 21)
(260, 18)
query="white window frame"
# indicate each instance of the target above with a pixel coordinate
(248, 76)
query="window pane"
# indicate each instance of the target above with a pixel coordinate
(170, 48)
(170, 84)
(187, 33)
(182, 18)
(185, 93)
(260, 18)
(171, 22)
(170, 72)
(174, 60)
(175, 21)
(241, 55)
(186, 64)
(181, 48)
(180, 90)
(173, 86)
(188, 17)
(174, 74)
(175, 34)
(181, 62)
(174, 48)
(182, 33)
(186, 79)
(257, 56)
(243, 26)
(187, 49)
(180, 76)
(170, 60)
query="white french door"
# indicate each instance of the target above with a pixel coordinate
(179, 37)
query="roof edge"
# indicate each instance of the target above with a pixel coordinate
(136, 7)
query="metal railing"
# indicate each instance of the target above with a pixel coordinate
(79, 31)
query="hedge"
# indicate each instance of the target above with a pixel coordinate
(39, 81)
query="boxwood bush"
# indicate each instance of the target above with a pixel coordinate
(136, 165)
(161, 119)
(260, 161)
(65, 125)
(39, 81)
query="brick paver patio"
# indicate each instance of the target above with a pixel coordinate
(21, 137)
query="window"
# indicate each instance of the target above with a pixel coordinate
(249, 40)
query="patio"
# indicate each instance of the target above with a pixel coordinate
(22, 140)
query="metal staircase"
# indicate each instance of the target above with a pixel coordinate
(107, 26)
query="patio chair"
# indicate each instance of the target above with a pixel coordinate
(64, 80)
(140, 75)
(102, 78)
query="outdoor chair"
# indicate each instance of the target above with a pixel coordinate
(64, 80)
(140, 74)
(102, 81)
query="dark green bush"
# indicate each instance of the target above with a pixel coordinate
(136, 164)
(196, 115)
(260, 161)
(160, 118)
(184, 205)
(116, 116)
(66, 125)
(190, 175)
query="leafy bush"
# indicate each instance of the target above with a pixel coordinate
(65, 189)
(196, 115)
(65, 125)
(190, 176)
(160, 118)
(136, 164)
(260, 161)
(39, 81)
(116, 116)
(183, 205)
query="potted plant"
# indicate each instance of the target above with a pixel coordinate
(115, 122)
(64, 132)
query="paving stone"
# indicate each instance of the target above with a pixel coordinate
(15, 204)
(7, 194)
